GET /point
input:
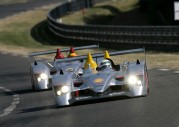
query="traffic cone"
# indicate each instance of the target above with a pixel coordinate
(91, 62)
(106, 55)
(59, 55)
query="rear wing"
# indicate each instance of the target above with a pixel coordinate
(102, 55)
(62, 50)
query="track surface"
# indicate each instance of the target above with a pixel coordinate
(8, 10)
(159, 109)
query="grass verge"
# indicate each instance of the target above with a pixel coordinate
(103, 13)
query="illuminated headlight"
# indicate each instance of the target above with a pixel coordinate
(43, 76)
(39, 79)
(64, 89)
(139, 82)
(133, 80)
(59, 92)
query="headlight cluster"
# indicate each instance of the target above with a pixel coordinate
(133, 80)
(63, 90)
(42, 76)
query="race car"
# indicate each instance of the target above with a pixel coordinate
(41, 71)
(102, 79)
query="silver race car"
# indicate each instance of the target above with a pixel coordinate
(41, 71)
(101, 81)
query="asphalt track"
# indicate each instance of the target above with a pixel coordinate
(8, 10)
(159, 109)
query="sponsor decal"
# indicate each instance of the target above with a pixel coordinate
(98, 80)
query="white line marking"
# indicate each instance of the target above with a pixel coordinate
(16, 100)
(176, 72)
(163, 69)
(7, 90)
(13, 105)
(16, 96)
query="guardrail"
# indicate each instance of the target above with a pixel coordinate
(155, 37)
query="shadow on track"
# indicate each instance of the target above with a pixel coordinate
(104, 100)
(24, 91)
(89, 102)
(35, 109)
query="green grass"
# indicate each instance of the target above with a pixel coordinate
(102, 13)
(17, 34)
(16, 30)
(19, 39)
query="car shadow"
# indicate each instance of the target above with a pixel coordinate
(104, 100)
(24, 91)
(89, 102)
(36, 109)
(19, 92)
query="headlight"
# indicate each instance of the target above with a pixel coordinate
(59, 92)
(139, 82)
(65, 89)
(133, 80)
(43, 76)
(39, 79)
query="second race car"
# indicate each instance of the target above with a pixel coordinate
(41, 71)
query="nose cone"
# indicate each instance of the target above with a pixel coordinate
(90, 62)
(59, 55)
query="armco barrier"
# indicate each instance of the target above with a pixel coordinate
(152, 37)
